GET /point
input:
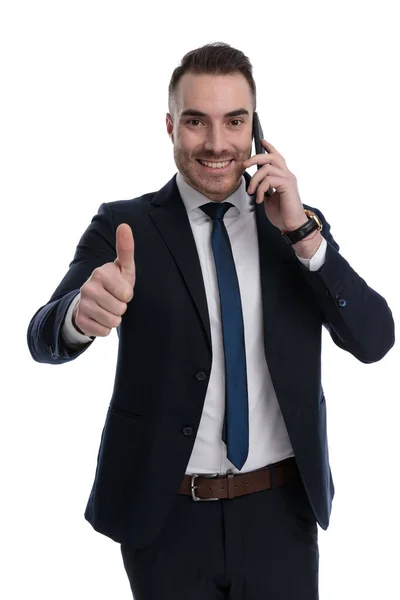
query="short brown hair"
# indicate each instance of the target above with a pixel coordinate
(213, 59)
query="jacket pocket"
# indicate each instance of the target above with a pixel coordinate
(119, 462)
(122, 412)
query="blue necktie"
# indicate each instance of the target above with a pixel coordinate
(235, 432)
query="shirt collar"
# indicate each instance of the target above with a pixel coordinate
(193, 199)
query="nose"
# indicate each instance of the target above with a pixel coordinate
(215, 140)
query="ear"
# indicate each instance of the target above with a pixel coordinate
(170, 126)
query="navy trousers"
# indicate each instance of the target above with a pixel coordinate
(262, 546)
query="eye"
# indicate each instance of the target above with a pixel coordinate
(237, 121)
(191, 121)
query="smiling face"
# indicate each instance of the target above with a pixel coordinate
(212, 121)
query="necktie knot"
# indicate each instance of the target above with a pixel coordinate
(216, 210)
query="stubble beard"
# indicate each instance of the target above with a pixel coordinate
(212, 186)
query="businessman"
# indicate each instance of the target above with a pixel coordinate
(213, 469)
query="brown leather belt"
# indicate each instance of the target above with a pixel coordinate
(206, 487)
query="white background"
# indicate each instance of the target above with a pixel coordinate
(84, 98)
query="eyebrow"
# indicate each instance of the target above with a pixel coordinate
(191, 112)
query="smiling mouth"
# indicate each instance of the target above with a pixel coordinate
(215, 165)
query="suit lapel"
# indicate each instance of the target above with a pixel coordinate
(170, 217)
(273, 250)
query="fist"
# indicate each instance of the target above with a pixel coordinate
(105, 295)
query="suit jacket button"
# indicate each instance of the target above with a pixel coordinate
(187, 431)
(201, 376)
(341, 301)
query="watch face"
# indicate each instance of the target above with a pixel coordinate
(311, 215)
(318, 220)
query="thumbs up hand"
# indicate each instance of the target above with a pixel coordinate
(105, 295)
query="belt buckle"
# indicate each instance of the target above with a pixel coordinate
(193, 487)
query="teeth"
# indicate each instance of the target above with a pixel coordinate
(215, 165)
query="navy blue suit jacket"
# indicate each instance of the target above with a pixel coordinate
(165, 342)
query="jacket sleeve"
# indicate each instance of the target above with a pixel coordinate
(95, 248)
(357, 318)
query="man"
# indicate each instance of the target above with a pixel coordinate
(213, 468)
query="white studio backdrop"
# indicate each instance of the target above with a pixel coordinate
(83, 105)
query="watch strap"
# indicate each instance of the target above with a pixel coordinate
(313, 223)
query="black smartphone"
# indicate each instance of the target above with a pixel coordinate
(258, 135)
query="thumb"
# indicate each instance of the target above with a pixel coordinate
(125, 249)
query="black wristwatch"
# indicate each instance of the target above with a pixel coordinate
(313, 223)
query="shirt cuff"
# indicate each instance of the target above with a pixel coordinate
(71, 336)
(315, 262)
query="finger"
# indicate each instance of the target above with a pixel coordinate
(116, 284)
(111, 303)
(260, 175)
(125, 252)
(258, 159)
(92, 310)
(264, 159)
(269, 147)
(91, 327)
(269, 183)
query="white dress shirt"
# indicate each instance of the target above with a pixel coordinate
(268, 438)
